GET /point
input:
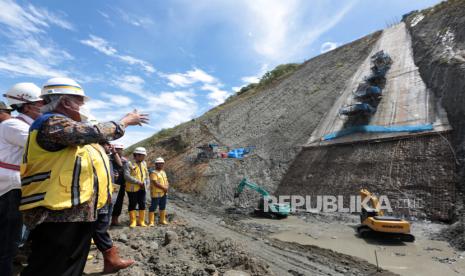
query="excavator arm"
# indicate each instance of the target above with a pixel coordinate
(373, 200)
(244, 183)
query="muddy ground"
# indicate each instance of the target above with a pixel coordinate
(207, 240)
(214, 239)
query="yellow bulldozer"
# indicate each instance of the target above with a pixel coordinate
(375, 225)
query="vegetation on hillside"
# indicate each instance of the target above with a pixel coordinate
(272, 76)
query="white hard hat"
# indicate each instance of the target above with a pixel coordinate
(4, 106)
(118, 146)
(62, 86)
(23, 92)
(159, 160)
(140, 150)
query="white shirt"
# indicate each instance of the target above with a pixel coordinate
(13, 137)
(25, 118)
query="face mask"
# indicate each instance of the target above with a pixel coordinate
(84, 113)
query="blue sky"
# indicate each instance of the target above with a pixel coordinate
(174, 59)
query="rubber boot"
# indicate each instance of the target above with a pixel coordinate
(151, 219)
(114, 221)
(112, 262)
(163, 218)
(142, 218)
(132, 219)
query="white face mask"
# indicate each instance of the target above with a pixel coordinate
(84, 113)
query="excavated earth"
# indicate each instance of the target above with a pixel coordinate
(203, 241)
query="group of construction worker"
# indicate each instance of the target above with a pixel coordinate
(57, 170)
(137, 178)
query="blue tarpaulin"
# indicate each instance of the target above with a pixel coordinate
(240, 152)
(236, 153)
(377, 129)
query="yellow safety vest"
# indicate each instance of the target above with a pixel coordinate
(162, 179)
(65, 178)
(138, 171)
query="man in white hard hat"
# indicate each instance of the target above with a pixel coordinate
(158, 190)
(13, 136)
(65, 178)
(119, 180)
(24, 97)
(137, 178)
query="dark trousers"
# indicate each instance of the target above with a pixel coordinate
(100, 234)
(10, 229)
(59, 248)
(135, 199)
(118, 207)
(158, 202)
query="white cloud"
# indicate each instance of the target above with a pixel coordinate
(177, 100)
(169, 108)
(100, 45)
(104, 14)
(131, 83)
(104, 47)
(30, 19)
(117, 99)
(135, 20)
(134, 135)
(28, 67)
(237, 88)
(217, 96)
(174, 107)
(208, 83)
(251, 79)
(43, 15)
(135, 61)
(32, 47)
(254, 78)
(96, 105)
(31, 52)
(328, 46)
(188, 78)
(275, 31)
(284, 29)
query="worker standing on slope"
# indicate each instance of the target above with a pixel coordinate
(13, 136)
(159, 190)
(136, 176)
(65, 179)
(112, 262)
(118, 161)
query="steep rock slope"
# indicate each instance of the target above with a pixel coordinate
(276, 119)
(438, 36)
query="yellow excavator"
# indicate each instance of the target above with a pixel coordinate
(375, 225)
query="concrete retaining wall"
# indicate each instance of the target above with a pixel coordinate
(420, 169)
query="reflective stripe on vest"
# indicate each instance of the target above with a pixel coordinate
(65, 178)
